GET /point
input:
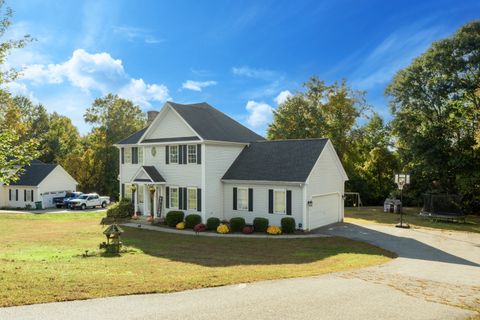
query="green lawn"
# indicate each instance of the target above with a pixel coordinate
(41, 259)
(376, 215)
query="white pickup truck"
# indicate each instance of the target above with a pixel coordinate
(90, 200)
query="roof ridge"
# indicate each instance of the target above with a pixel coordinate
(287, 140)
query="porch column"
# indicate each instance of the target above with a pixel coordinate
(135, 204)
(155, 201)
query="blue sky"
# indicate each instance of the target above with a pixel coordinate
(242, 57)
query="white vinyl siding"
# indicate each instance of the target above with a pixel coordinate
(173, 154)
(242, 199)
(192, 198)
(279, 201)
(170, 125)
(174, 197)
(192, 153)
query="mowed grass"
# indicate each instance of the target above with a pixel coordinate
(41, 259)
(411, 216)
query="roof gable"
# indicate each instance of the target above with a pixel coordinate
(34, 174)
(281, 160)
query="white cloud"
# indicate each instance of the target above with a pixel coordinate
(283, 96)
(197, 85)
(260, 113)
(96, 72)
(255, 73)
(133, 34)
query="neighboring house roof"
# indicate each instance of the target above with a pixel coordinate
(212, 124)
(134, 138)
(153, 173)
(34, 174)
(281, 160)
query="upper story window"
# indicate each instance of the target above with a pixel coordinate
(173, 154)
(242, 199)
(140, 155)
(280, 201)
(192, 154)
(128, 155)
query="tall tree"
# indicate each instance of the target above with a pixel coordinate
(14, 153)
(436, 110)
(113, 119)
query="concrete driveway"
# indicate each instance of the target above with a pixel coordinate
(436, 272)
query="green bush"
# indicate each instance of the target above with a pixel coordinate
(174, 217)
(237, 224)
(288, 225)
(121, 210)
(213, 223)
(260, 224)
(192, 220)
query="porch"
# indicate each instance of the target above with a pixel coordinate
(147, 192)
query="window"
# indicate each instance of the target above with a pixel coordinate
(16, 194)
(140, 155)
(173, 197)
(128, 155)
(28, 196)
(242, 199)
(192, 154)
(279, 201)
(174, 155)
(10, 194)
(192, 199)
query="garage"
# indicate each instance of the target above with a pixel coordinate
(325, 209)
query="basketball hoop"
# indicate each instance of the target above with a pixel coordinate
(402, 179)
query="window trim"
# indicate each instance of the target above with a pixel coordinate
(194, 147)
(239, 208)
(188, 199)
(173, 205)
(170, 153)
(284, 199)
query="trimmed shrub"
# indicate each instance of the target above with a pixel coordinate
(288, 225)
(192, 220)
(121, 210)
(180, 225)
(223, 228)
(247, 229)
(274, 230)
(213, 223)
(200, 227)
(260, 224)
(237, 224)
(174, 217)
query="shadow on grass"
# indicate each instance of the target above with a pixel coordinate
(403, 246)
(223, 252)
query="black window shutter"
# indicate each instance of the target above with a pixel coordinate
(184, 154)
(167, 196)
(234, 198)
(10, 194)
(16, 194)
(135, 155)
(250, 199)
(199, 153)
(123, 155)
(199, 199)
(24, 194)
(185, 199)
(32, 195)
(180, 198)
(167, 155)
(180, 154)
(123, 190)
(270, 200)
(289, 202)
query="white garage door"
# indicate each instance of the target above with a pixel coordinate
(325, 210)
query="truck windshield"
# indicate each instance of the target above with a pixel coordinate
(83, 197)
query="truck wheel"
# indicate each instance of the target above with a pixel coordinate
(84, 206)
(104, 204)
(58, 206)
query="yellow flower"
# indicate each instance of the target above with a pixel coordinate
(223, 228)
(274, 230)
(180, 225)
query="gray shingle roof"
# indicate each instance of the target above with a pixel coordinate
(134, 138)
(153, 173)
(34, 174)
(212, 124)
(281, 160)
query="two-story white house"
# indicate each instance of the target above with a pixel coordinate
(196, 159)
